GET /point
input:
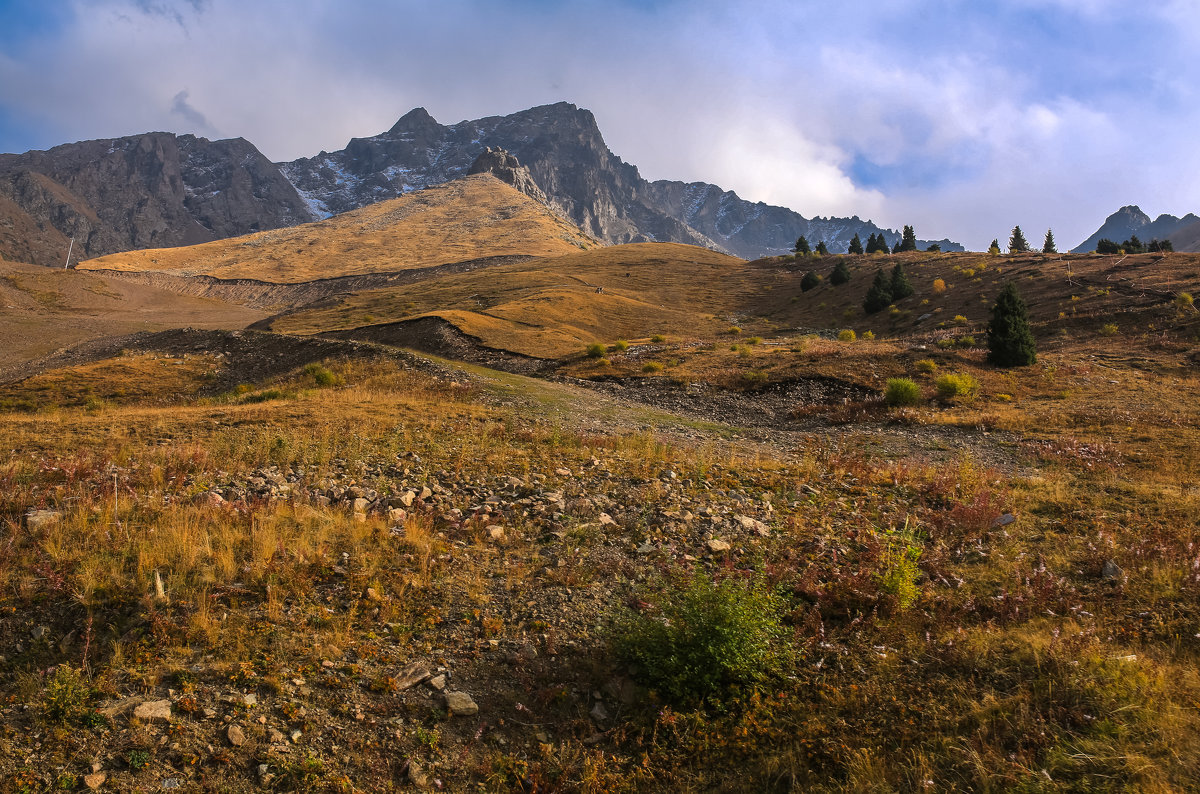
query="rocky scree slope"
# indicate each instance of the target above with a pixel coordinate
(142, 191)
(567, 157)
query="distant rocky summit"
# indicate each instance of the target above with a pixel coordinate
(565, 153)
(1184, 233)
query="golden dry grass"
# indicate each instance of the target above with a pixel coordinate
(470, 218)
(549, 307)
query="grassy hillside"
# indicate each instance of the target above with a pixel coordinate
(45, 309)
(470, 218)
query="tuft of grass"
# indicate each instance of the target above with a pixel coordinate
(902, 391)
(67, 698)
(658, 339)
(957, 385)
(847, 335)
(1108, 329)
(595, 350)
(733, 330)
(652, 366)
(620, 346)
(927, 366)
(322, 376)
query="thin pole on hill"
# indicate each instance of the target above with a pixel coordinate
(69, 250)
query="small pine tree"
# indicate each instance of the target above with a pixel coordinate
(901, 287)
(1010, 338)
(994, 248)
(1133, 245)
(1106, 246)
(879, 296)
(810, 280)
(856, 246)
(934, 248)
(1048, 247)
(908, 240)
(822, 249)
(896, 248)
(840, 274)
(802, 248)
(1017, 243)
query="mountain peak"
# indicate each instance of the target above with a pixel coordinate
(415, 119)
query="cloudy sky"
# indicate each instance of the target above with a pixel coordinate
(958, 116)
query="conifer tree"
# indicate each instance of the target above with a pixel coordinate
(872, 244)
(901, 287)
(1048, 247)
(802, 248)
(810, 280)
(856, 246)
(879, 296)
(908, 240)
(822, 249)
(840, 274)
(1010, 338)
(1017, 243)
(994, 248)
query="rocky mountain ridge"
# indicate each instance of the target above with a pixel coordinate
(143, 191)
(567, 157)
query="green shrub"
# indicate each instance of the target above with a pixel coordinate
(927, 366)
(810, 280)
(754, 340)
(847, 335)
(595, 350)
(620, 345)
(1108, 329)
(658, 339)
(1185, 301)
(733, 330)
(754, 378)
(965, 341)
(700, 637)
(950, 386)
(67, 698)
(652, 366)
(321, 375)
(138, 759)
(868, 335)
(902, 391)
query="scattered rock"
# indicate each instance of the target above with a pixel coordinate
(235, 735)
(275, 737)
(154, 711)
(496, 532)
(599, 713)
(39, 632)
(715, 545)
(411, 675)
(438, 682)
(37, 519)
(295, 736)
(460, 704)
(753, 525)
(1003, 520)
(1111, 572)
(417, 775)
(95, 780)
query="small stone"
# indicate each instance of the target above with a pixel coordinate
(645, 548)
(171, 782)
(438, 682)
(460, 704)
(263, 770)
(715, 545)
(95, 780)
(154, 711)
(372, 594)
(425, 494)
(38, 519)
(235, 735)
(1003, 520)
(38, 632)
(275, 737)
(563, 472)
(542, 737)
(496, 532)
(606, 520)
(360, 505)
(1111, 572)
(397, 515)
(417, 775)
(411, 675)
(753, 525)
(407, 498)
(296, 734)
(250, 700)
(599, 713)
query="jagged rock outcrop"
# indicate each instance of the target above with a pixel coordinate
(142, 191)
(1130, 220)
(507, 168)
(567, 158)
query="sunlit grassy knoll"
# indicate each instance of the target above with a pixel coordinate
(470, 218)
